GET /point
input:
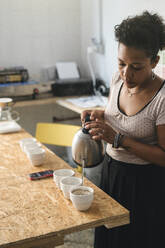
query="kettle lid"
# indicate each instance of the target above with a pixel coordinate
(5, 101)
(87, 119)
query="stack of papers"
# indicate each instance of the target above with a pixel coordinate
(9, 127)
(67, 70)
(89, 101)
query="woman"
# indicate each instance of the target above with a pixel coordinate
(133, 125)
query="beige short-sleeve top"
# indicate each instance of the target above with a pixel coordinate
(141, 126)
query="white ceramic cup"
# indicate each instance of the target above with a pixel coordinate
(28, 147)
(82, 197)
(38, 153)
(67, 183)
(27, 141)
(36, 156)
(37, 162)
(61, 173)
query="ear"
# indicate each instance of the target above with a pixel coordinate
(155, 62)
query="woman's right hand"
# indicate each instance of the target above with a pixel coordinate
(94, 115)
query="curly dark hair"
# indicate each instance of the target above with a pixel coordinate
(145, 32)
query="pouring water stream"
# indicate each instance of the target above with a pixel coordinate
(83, 166)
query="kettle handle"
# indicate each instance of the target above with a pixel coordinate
(87, 119)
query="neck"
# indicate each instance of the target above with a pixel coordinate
(132, 93)
(147, 85)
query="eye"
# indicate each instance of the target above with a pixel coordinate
(121, 64)
(137, 68)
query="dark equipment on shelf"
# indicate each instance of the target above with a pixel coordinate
(13, 74)
(78, 86)
(71, 87)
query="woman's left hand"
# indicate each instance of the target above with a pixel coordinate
(100, 130)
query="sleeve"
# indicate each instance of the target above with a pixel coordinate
(161, 113)
(114, 79)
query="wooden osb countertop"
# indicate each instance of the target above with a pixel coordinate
(35, 213)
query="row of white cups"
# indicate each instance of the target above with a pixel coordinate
(72, 188)
(65, 179)
(33, 150)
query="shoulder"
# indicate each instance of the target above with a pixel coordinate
(115, 79)
(161, 93)
(158, 106)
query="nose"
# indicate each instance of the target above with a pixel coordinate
(127, 73)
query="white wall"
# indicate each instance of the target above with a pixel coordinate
(38, 33)
(113, 13)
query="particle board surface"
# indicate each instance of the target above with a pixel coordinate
(35, 212)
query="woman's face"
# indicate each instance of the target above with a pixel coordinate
(134, 67)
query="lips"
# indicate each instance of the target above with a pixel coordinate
(130, 84)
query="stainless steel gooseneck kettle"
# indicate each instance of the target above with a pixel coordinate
(85, 150)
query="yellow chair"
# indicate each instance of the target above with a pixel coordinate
(56, 134)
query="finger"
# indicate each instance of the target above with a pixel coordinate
(84, 114)
(93, 115)
(97, 137)
(88, 125)
(98, 120)
(92, 124)
(95, 131)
